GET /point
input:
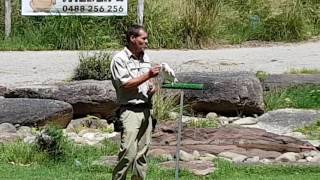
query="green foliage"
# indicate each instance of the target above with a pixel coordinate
(287, 25)
(224, 171)
(305, 97)
(162, 24)
(198, 21)
(171, 24)
(94, 67)
(262, 75)
(199, 123)
(52, 142)
(312, 130)
(21, 153)
(304, 71)
(26, 162)
(162, 105)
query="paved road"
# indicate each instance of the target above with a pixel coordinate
(44, 67)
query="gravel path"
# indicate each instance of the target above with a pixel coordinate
(23, 68)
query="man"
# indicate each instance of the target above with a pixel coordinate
(131, 73)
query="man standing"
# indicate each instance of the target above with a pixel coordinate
(131, 73)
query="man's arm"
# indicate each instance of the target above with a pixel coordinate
(135, 82)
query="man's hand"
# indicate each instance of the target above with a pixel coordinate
(154, 71)
(152, 89)
(135, 82)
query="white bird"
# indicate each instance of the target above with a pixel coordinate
(167, 74)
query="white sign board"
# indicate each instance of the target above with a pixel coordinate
(75, 7)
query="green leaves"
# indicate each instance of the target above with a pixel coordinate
(96, 66)
(305, 97)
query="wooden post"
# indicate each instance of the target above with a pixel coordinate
(7, 16)
(140, 10)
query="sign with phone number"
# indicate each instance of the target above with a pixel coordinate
(75, 7)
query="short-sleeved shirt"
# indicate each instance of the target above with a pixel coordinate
(124, 68)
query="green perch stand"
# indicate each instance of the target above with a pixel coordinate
(190, 86)
(181, 86)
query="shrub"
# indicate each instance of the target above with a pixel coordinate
(162, 105)
(262, 75)
(287, 25)
(171, 24)
(198, 21)
(304, 97)
(51, 141)
(94, 67)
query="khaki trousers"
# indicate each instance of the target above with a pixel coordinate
(135, 142)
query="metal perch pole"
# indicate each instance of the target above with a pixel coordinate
(181, 86)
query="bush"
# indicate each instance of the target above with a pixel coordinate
(52, 142)
(171, 24)
(162, 106)
(94, 67)
(305, 97)
(198, 21)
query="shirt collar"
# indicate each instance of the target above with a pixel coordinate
(130, 55)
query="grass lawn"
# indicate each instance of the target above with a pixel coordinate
(225, 170)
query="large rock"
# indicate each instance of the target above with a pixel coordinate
(276, 81)
(246, 141)
(230, 93)
(6, 137)
(87, 97)
(284, 121)
(199, 167)
(35, 112)
(2, 90)
(89, 122)
(7, 127)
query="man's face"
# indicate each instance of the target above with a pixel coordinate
(140, 43)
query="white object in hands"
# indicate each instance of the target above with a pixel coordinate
(167, 74)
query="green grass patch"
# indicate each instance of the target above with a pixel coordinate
(312, 131)
(304, 97)
(85, 171)
(304, 71)
(199, 123)
(21, 154)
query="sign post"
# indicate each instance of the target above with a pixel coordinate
(140, 11)
(7, 16)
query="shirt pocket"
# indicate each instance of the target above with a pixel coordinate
(133, 70)
(145, 67)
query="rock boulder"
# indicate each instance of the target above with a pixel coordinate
(88, 97)
(284, 121)
(231, 93)
(276, 81)
(35, 112)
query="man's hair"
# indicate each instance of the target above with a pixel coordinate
(133, 31)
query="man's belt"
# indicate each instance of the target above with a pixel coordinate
(137, 106)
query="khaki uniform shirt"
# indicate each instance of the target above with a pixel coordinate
(123, 68)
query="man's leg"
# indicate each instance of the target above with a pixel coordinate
(140, 163)
(129, 143)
